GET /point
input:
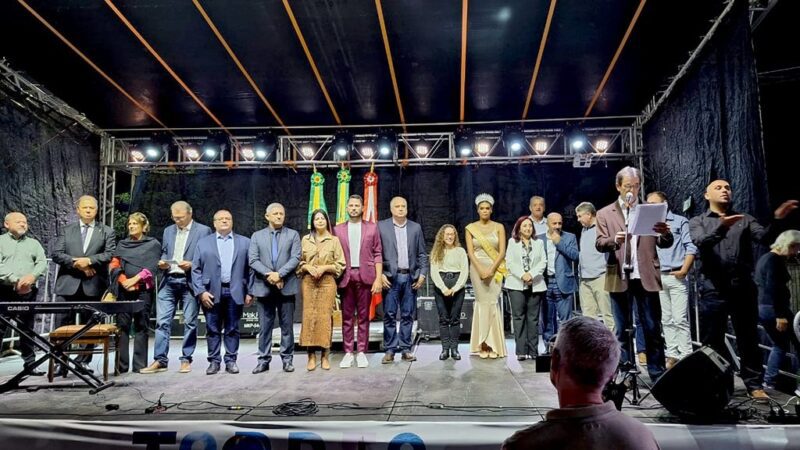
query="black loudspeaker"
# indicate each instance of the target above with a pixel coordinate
(697, 386)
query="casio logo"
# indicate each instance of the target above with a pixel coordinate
(19, 308)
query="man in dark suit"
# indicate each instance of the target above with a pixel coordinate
(222, 280)
(561, 248)
(633, 273)
(274, 256)
(405, 263)
(363, 255)
(177, 247)
(83, 252)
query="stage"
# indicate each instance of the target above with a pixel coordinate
(495, 396)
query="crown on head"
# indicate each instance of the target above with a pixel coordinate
(484, 198)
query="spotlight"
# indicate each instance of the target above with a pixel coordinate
(136, 155)
(577, 139)
(483, 148)
(422, 149)
(214, 147)
(342, 144)
(601, 145)
(386, 143)
(463, 142)
(307, 151)
(247, 153)
(265, 146)
(513, 139)
(191, 154)
(367, 151)
(540, 146)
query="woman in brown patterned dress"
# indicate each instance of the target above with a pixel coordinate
(321, 262)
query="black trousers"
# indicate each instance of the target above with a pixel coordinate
(26, 347)
(449, 309)
(739, 301)
(135, 324)
(525, 314)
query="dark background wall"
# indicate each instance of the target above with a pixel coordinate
(436, 195)
(45, 166)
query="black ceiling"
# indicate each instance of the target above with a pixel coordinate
(344, 39)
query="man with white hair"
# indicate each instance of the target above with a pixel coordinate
(584, 360)
(22, 264)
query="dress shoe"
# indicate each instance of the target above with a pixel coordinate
(408, 357)
(288, 367)
(347, 361)
(60, 371)
(154, 368)
(388, 358)
(759, 394)
(186, 367)
(483, 354)
(361, 360)
(231, 367)
(521, 357)
(671, 362)
(85, 367)
(261, 367)
(212, 368)
(454, 354)
(493, 355)
(444, 355)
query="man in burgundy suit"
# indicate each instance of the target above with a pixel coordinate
(633, 276)
(362, 277)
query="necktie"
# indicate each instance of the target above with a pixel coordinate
(274, 248)
(84, 232)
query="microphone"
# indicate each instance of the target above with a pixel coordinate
(629, 198)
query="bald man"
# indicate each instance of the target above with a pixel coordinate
(561, 248)
(725, 241)
(83, 251)
(22, 263)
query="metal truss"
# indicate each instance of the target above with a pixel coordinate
(39, 97)
(549, 145)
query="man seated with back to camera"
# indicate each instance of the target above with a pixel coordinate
(584, 360)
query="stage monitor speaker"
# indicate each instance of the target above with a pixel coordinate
(697, 386)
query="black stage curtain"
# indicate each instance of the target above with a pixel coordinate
(436, 195)
(710, 126)
(46, 166)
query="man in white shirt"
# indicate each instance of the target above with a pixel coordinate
(537, 206)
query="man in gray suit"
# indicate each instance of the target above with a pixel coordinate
(405, 263)
(274, 256)
(83, 252)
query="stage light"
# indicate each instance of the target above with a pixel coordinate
(265, 146)
(540, 146)
(136, 155)
(422, 149)
(513, 139)
(342, 144)
(482, 148)
(214, 147)
(191, 154)
(577, 139)
(601, 145)
(367, 151)
(386, 143)
(247, 153)
(307, 151)
(463, 142)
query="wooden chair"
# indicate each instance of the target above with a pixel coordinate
(106, 335)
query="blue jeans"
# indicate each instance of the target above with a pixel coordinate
(780, 342)
(400, 296)
(222, 324)
(282, 306)
(173, 291)
(648, 310)
(640, 345)
(556, 309)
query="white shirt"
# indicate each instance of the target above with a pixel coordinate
(633, 242)
(89, 233)
(539, 226)
(181, 238)
(354, 237)
(551, 257)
